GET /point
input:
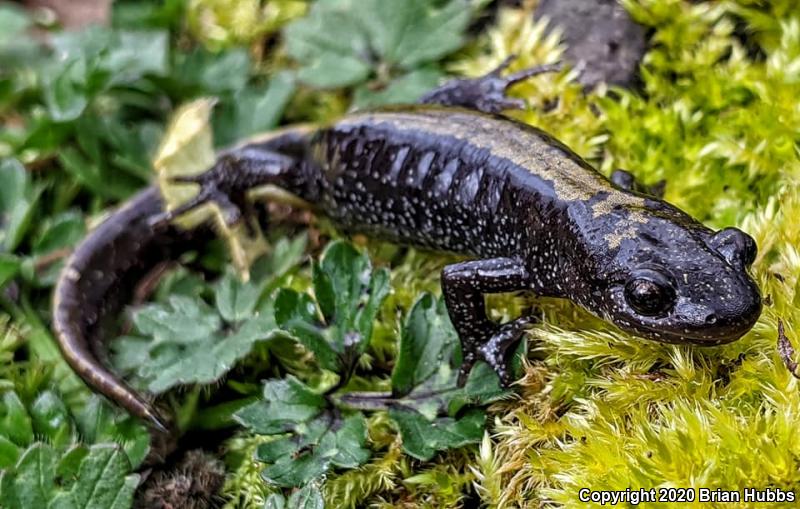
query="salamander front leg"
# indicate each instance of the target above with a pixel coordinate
(624, 179)
(463, 286)
(487, 93)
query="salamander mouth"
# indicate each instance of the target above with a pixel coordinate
(701, 335)
(674, 337)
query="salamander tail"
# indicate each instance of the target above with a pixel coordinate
(94, 286)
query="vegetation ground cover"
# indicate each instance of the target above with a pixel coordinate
(84, 114)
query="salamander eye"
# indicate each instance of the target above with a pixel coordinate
(649, 294)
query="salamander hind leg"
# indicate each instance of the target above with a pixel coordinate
(487, 93)
(463, 286)
(235, 172)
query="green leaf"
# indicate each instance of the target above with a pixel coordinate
(331, 45)
(103, 482)
(275, 501)
(308, 497)
(13, 21)
(70, 463)
(8, 495)
(18, 197)
(207, 362)
(315, 448)
(253, 110)
(349, 296)
(405, 89)
(16, 49)
(97, 59)
(9, 453)
(235, 300)
(295, 313)
(92, 175)
(414, 31)
(58, 232)
(342, 42)
(9, 268)
(186, 341)
(202, 72)
(286, 403)
(51, 419)
(114, 57)
(182, 321)
(345, 446)
(134, 54)
(35, 476)
(97, 423)
(483, 384)
(427, 344)
(14, 420)
(424, 376)
(319, 440)
(422, 437)
(65, 91)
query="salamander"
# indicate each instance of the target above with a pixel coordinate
(450, 174)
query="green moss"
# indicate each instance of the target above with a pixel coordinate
(222, 23)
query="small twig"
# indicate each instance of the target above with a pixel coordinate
(50, 258)
(145, 288)
(148, 284)
(384, 400)
(786, 351)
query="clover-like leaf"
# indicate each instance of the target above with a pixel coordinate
(56, 234)
(253, 110)
(316, 447)
(18, 198)
(188, 341)
(9, 267)
(422, 438)
(427, 343)
(427, 364)
(286, 403)
(308, 497)
(343, 43)
(337, 329)
(189, 358)
(104, 482)
(98, 477)
(15, 423)
(97, 423)
(318, 438)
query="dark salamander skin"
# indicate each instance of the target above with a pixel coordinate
(453, 175)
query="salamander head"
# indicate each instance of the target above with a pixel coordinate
(681, 284)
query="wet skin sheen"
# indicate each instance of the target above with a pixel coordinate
(529, 213)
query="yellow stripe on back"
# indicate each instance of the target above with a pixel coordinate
(525, 146)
